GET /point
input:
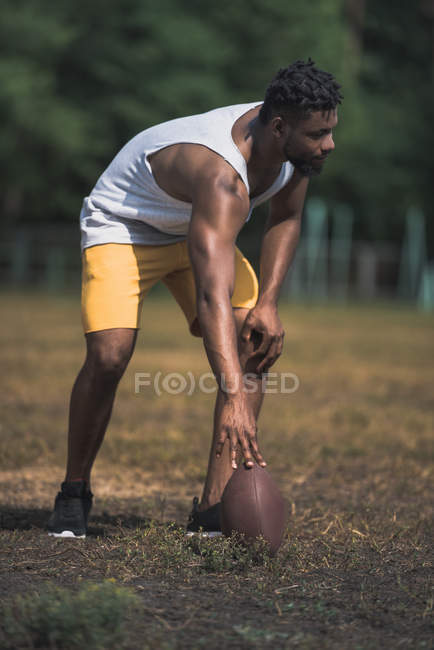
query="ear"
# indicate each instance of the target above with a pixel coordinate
(279, 127)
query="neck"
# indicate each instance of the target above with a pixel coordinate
(263, 152)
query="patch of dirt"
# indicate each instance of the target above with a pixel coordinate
(341, 580)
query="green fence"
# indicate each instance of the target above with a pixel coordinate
(329, 263)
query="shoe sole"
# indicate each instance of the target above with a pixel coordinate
(67, 534)
(210, 533)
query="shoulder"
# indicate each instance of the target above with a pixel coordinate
(220, 201)
(213, 174)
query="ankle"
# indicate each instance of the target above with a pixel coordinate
(73, 479)
(76, 486)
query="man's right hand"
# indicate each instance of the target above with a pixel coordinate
(239, 427)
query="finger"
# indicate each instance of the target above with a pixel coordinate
(269, 358)
(274, 353)
(246, 332)
(245, 348)
(248, 459)
(234, 449)
(265, 345)
(257, 454)
(220, 444)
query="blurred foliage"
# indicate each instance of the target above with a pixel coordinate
(77, 80)
(93, 617)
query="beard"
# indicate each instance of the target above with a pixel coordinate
(303, 165)
(305, 168)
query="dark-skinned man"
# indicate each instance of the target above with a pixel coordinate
(169, 207)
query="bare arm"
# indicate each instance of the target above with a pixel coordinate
(281, 237)
(220, 207)
(277, 251)
(218, 214)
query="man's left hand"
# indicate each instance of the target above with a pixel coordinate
(262, 337)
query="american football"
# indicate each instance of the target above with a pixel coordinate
(253, 506)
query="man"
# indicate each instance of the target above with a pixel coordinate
(169, 207)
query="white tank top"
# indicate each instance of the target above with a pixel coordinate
(126, 204)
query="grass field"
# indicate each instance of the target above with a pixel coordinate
(351, 451)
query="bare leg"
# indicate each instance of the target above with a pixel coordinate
(220, 469)
(108, 354)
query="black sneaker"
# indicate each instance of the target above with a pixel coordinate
(71, 511)
(206, 522)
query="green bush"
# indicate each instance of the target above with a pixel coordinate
(92, 617)
(232, 554)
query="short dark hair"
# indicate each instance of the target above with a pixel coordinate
(299, 90)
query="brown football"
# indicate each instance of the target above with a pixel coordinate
(252, 505)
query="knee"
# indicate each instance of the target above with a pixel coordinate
(251, 364)
(249, 355)
(107, 364)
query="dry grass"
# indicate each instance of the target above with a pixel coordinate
(351, 450)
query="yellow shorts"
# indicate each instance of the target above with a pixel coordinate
(117, 277)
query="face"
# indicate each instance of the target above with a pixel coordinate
(310, 141)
